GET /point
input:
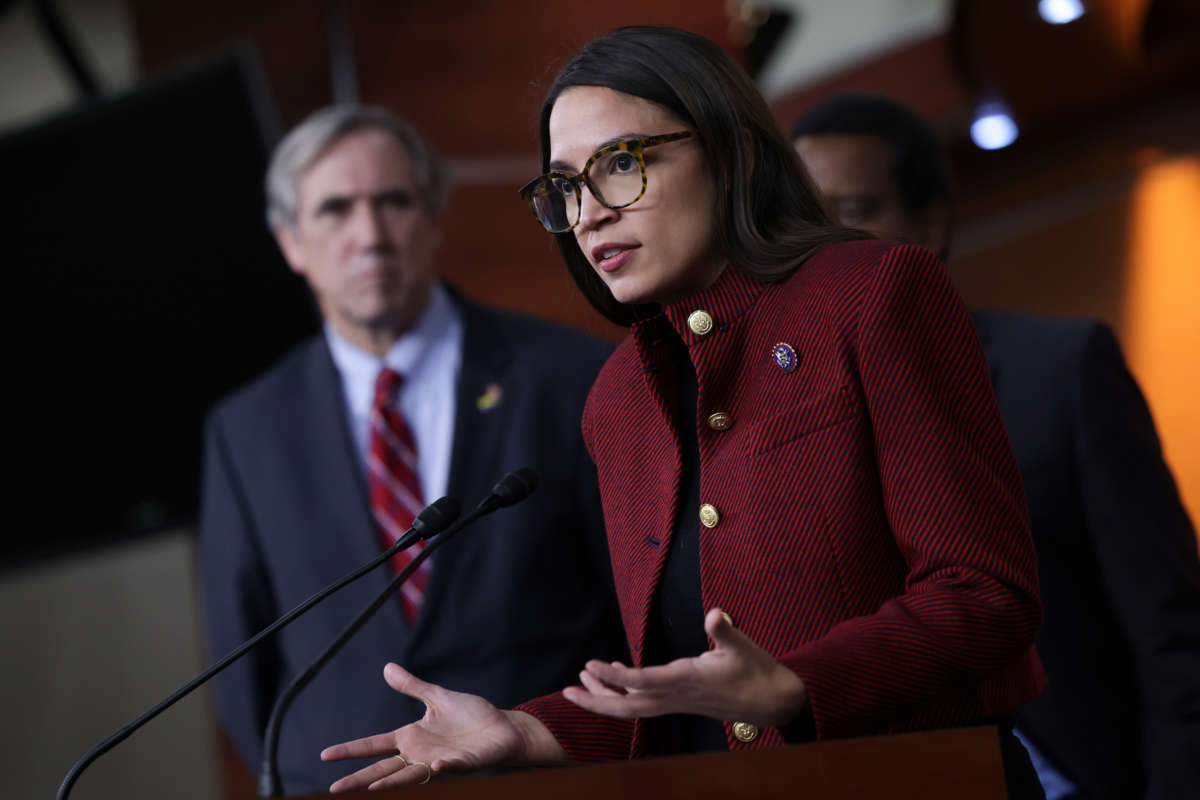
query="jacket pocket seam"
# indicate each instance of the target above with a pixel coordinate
(819, 413)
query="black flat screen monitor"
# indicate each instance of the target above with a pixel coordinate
(142, 285)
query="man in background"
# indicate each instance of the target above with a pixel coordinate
(409, 393)
(1120, 579)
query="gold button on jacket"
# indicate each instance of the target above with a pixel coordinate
(745, 731)
(709, 516)
(720, 421)
(700, 322)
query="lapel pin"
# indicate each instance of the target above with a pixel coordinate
(785, 356)
(490, 397)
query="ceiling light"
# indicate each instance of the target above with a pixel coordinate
(1060, 12)
(993, 127)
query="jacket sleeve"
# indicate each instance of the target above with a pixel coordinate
(953, 500)
(586, 737)
(238, 601)
(1145, 547)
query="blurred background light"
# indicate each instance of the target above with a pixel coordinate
(1060, 12)
(993, 128)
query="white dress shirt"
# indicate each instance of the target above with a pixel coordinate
(429, 356)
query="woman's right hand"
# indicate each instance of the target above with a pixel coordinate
(459, 733)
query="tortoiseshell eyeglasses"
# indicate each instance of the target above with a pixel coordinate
(615, 175)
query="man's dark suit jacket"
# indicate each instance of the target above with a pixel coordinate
(514, 606)
(1117, 556)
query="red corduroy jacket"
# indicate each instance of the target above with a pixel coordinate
(871, 530)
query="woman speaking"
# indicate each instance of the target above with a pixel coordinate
(816, 525)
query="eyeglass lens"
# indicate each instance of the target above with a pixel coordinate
(615, 180)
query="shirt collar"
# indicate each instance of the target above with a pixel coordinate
(359, 368)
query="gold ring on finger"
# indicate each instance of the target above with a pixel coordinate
(403, 760)
(428, 771)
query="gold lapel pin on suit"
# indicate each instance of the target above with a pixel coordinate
(490, 398)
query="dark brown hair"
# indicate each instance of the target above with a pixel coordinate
(768, 217)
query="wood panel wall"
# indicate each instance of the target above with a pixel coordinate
(470, 74)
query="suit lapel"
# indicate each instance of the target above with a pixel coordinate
(481, 415)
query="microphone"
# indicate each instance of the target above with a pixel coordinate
(512, 489)
(432, 519)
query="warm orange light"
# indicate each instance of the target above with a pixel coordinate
(1161, 318)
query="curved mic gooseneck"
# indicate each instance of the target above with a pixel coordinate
(512, 488)
(433, 519)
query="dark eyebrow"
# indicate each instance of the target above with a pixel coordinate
(562, 166)
(333, 203)
(395, 195)
(339, 203)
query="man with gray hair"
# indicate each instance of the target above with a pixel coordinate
(409, 393)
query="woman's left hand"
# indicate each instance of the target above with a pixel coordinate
(736, 680)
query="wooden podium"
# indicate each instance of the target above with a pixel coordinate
(917, 766)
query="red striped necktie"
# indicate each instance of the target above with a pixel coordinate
(394, 486)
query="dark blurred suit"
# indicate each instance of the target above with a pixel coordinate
(1117, 554)
(514, 606)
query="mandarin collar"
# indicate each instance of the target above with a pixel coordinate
(727, 300)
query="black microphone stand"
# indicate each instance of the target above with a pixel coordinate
(515, 487)
(434, 518)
